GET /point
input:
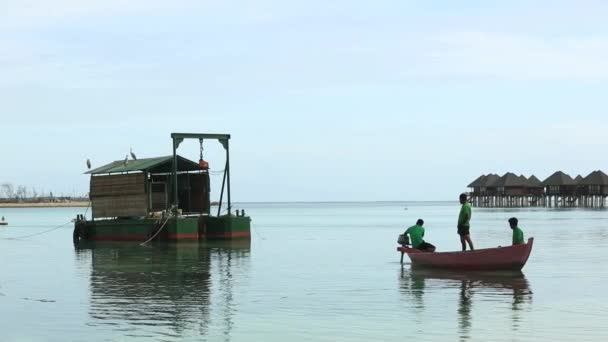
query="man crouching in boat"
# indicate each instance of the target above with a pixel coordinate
(518, 234)
(416, 234)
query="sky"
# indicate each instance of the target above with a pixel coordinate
(325, 100)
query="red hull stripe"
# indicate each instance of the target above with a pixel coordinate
(183, 236)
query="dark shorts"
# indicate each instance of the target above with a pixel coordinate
(425, 246)
(463, 230)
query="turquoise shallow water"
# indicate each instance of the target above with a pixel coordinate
(312, 272)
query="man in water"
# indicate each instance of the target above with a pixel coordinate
(416, 233)
(518, 234)
(464, 219)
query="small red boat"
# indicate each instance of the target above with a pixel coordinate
(510, 258)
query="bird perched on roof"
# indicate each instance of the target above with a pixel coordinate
(132, 154)
(88, 163)
(126, 160)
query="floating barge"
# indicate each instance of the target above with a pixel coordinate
(160, 199)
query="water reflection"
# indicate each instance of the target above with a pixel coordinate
(164, 291)
(471, 289)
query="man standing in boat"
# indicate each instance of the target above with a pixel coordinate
(518, 234)
(464, 226)
(416, 233)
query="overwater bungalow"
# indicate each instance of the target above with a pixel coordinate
(559, 184)
(477, 184)
(535, 192)
(511, 185)
(512, 190)
(509, 190)
(580, 189)
(594, 189)
(558, 190)
(482, 189)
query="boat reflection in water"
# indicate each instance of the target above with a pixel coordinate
(163, 291)
(508, 289)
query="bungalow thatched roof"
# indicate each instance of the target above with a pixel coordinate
(534, 182)
(491, 179)
(595, 178)
(479, 182)
(510, 180)
(578, 179)
(558, 178)
(524, 179)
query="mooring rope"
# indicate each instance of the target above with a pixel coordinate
(255, 230)
(39, 233)
(157, 232)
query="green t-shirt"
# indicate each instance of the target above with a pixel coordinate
(416, 233)
(465, 215)
(518, 236)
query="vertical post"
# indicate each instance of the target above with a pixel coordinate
(175, 197)
(219, 206)
(148, 190)
(228, 175)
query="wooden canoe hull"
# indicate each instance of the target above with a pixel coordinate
(509, 258)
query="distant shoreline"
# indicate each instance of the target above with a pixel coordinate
(82, 204)
(46, 205)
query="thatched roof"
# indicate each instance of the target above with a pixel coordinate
(511, 180)
(595, 178)
(534, 182)
(559, 178)
(578, 179)
(491, 179)
(479, 182)
(524, 179)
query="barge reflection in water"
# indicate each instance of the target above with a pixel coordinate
(167, 290)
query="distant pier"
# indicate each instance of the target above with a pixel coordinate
(558, 190)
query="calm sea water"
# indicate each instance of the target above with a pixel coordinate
(312, 272)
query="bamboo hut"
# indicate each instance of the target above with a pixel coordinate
(142, 186)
